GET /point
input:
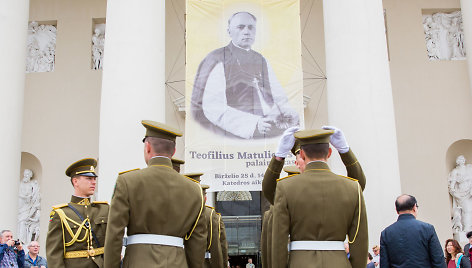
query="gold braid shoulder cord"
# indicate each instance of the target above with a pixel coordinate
(187, 236)
(359, 216)
(75, 237)
(211, 229)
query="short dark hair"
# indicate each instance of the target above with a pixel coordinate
(316, 151)
(469, 234)
(161, 146)
(405, 202)
(240, 12)
(369, 256)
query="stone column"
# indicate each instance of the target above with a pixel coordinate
(13, 27)
(466, 9)
(132, 86)
(360, 100)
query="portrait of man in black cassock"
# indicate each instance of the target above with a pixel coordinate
(236, 93)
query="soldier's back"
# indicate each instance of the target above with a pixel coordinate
(321, 206)
(161, 202)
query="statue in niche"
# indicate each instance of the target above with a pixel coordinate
(40, 47)
(29, 207)
(444, 35)
(460, 187)
(457, 221)
(98, 48)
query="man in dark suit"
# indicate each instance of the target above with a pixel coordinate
(409, 242)
(467, 248)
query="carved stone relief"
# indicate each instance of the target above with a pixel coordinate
(40, 48)
(444, 35)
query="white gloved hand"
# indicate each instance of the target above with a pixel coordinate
(337, 139)
(286, 142)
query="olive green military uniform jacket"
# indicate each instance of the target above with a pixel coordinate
(213, 238)
(269, 184)
(156, 200)
(69, 240)
(266, 238)
(223, 242)
(319, 205)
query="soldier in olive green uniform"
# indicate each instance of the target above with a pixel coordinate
(176, 163)
(77, 230)
(266, 235)
(223, 242)
(217, 247)
(318, 209)
(160, 208)
(269, 183)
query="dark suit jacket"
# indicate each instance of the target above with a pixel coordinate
(465, 262)
(410, 243)
(466, 250)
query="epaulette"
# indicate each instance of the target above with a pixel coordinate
(286, 177)
(349, 178)
(123, 172)
(192, 179)
(209, 207)
(100, 202)
(59, 206)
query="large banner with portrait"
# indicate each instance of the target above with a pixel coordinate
(244, 87)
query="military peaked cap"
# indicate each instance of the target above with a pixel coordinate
(177, 162)
(194, 176)
(296, 147)
(83, 167)
(291, 170)
(160, 130)
(205, 187)
(313, 136)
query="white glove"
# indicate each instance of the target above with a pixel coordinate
(286, 142)
(338, 140)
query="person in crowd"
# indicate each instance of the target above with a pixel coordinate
(467, 249)
(11, 251)
(376, 256)
(346, 248)
(454, 255)
(250, 264)
(370, 263)
(32, 259)
(409, 242)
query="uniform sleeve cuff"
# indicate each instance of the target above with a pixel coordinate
(275, 165)
(348, 158)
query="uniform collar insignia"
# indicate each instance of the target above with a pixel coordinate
(80, 200)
